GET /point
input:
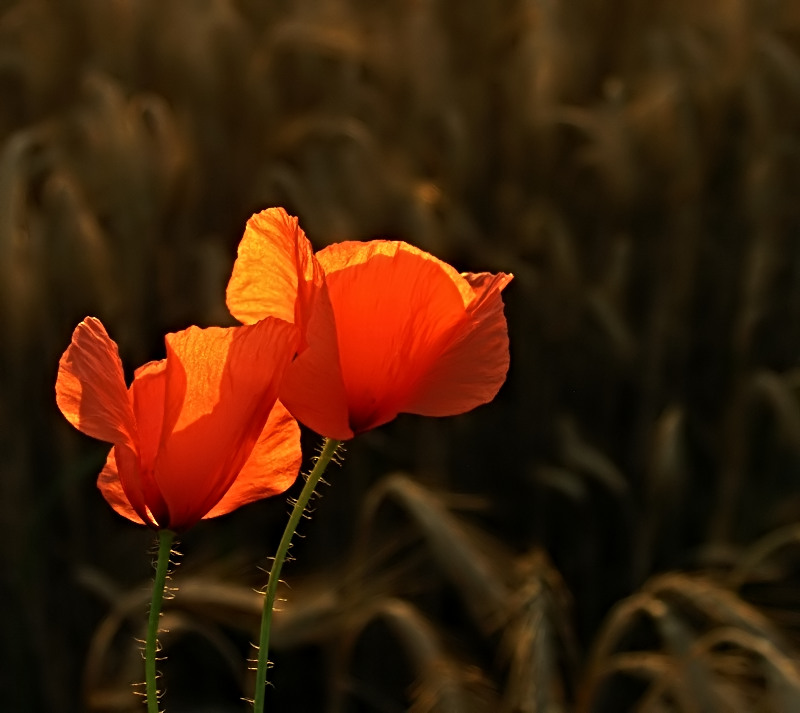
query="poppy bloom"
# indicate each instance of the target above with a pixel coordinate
(390, 328)
(197, 434)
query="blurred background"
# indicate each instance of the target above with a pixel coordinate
(617, 531)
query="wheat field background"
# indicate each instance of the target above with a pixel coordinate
(618, 531)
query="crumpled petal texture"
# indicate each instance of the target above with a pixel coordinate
(275, 273)
(411, 336)
(190, 432)
(390, 329)
(91, 385)
(272, 466)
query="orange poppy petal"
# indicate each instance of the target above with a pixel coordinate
(112, 490)
(148, 394)
(221, 385)
(485, 283)
(312, 388)
(395, 306)
(275, 273)
(473, 366)
(352, 253)
(90, 388)
(272, 467)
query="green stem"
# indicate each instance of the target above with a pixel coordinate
(328, 449)
(165, 540)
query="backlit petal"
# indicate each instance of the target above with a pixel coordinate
(90, 388)
(272, 467)
(313, 389)
(473, 366)
(351, 253)
(221, 385)
(112, 490)
(275, 273)
(394, 307)
(148, 395)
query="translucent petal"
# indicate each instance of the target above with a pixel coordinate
(474, 363)
(112, 490)
(313, 389)
(275, 273)
(272, 467)
(90, 388)
(394, 308)
(148, 397)
(221, 385)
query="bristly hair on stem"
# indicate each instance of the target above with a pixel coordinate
(164, 559)
(326, 454)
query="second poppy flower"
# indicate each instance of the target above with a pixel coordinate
(390, 329)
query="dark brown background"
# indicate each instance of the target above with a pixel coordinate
(635, 164)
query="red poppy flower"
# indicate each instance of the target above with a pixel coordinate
(391, 329)
(197, 434)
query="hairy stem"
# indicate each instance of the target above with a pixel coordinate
(165, 540)
(328, 449)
